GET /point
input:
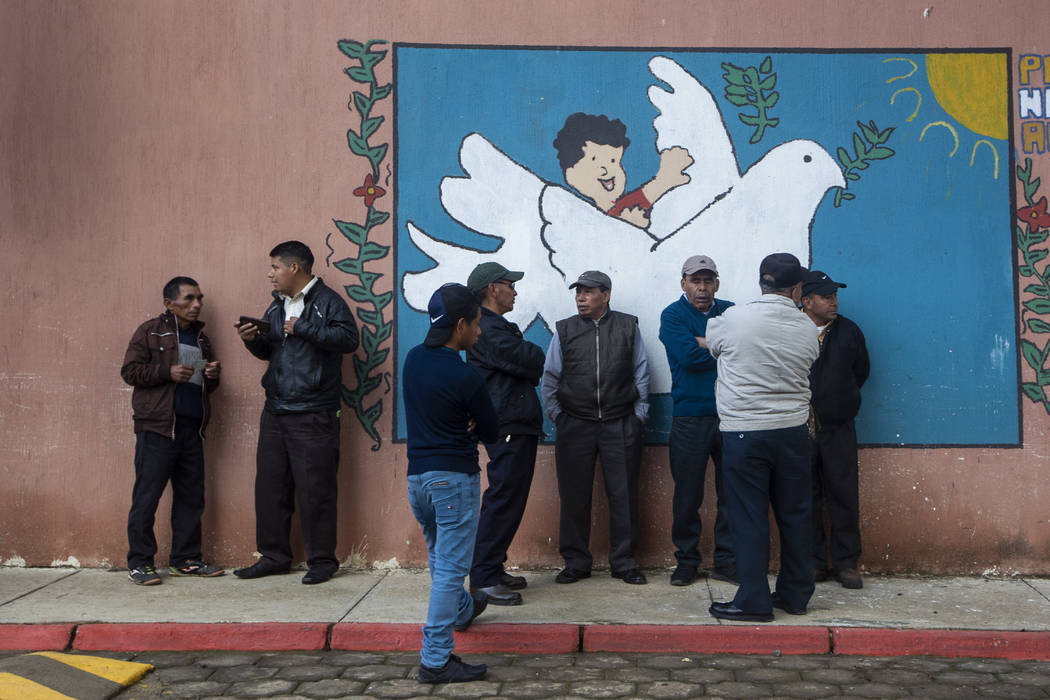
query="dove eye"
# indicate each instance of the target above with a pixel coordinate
(806, 159)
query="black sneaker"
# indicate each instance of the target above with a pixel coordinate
(481, 601)
(454, 671)
(144, 576)
(198, 568)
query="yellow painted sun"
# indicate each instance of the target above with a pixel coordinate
(972, 88)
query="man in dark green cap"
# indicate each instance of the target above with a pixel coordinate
(511, 367)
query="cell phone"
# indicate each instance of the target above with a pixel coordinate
(263, 326)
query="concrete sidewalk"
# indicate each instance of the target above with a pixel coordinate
(92, 609)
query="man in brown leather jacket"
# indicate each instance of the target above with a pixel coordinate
(170, 363)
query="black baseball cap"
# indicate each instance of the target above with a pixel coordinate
(448, 304)
(817, 282)
(784, 269)
(593, 278)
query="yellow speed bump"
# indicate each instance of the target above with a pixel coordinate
(49, 675)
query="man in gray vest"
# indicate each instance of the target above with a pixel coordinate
(596, 390)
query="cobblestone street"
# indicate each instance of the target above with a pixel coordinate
(366, 675)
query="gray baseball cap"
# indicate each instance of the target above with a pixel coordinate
(695, 263)
(593, 278)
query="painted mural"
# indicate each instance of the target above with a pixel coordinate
(558, 161)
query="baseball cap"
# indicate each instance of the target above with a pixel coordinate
(784, 269)
(593, 278)
(695, 263)
(817, 282)
(448, 304)
(488, 272)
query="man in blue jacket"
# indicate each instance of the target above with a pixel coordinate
(694, 427)
(447, 409)
(511, 367)
(310, 329)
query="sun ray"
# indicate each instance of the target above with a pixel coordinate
(995, 154)
(917, 106)
(947, 126)
(914, 68)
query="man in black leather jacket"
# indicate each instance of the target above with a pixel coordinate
(511, 367)
(310, 329)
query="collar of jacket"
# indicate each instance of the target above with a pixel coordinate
(307, 297)
(169, 318)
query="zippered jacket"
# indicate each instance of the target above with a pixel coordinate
(838, 374)
(306, 368)
(153, 349)
(511, 367)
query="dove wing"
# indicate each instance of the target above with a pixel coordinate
(581, 237)
(690, 118)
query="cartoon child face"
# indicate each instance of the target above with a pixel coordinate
(599, 174)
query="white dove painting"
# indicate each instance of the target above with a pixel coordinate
(553, 234)
(482, 174)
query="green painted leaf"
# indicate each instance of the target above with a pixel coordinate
(359, 293)
(380, 92)
(363, 104)
(369, 126)
(361, 75)
(860, 165)
(376, 217)
(1038, 325)
(768, 83)
(373, 251)
(1025, 271)
(1035, 255)
(370, 316)
(766, 65)
(844, 158)
(1038, 236)
(733, 74)
(351, 266)
(738, 101)
(880, 153)
(869, 134)
(858, 145)
(1040, 289)
(353, 232)
(735, 90)
(1038, 306)
(351, 48)
(848, 195)
(772, 100)
(852, 176)
(1032, 354)
(358, 146)
(1034, 392)
(378, 153)
(748, 119)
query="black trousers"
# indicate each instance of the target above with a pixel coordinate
(297, 463)
(158, 460)
(577, 444)
(693, 439)
(512, 462)
(835, 483)
(763, 468)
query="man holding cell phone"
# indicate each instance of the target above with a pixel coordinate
(304, 335)
(170, 363)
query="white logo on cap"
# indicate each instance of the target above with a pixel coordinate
(435, 319)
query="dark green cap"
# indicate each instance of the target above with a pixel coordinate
(488, 272)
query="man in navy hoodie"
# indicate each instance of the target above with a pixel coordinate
(447, 410)
(694, 428)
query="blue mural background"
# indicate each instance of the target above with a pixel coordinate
(926, 246)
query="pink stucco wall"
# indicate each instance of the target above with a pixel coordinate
(143, 140)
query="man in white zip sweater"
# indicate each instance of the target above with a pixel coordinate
(764, 350)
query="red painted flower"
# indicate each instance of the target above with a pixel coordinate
(371, 192)
(1035, 215)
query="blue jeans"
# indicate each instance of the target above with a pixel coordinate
(446, 506)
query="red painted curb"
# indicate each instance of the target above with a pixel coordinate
(496, 638)
(35, 637)
(952, 643)
(247, 636)
(706, 639)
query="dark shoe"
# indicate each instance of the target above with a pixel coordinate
(500, 595)
(570, 575)
(725, 573)
(454, 671)
(144, 576)
(684, 574)
(634, 576)
(728, 611)
(195, 567)
(779, 604)
(481, 601)
(514, 583)
(850, 578)
(820, 574)
(319, 574)
(263, 567)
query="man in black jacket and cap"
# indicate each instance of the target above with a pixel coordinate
(511, 367)
(835, 380)
(309, 330)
